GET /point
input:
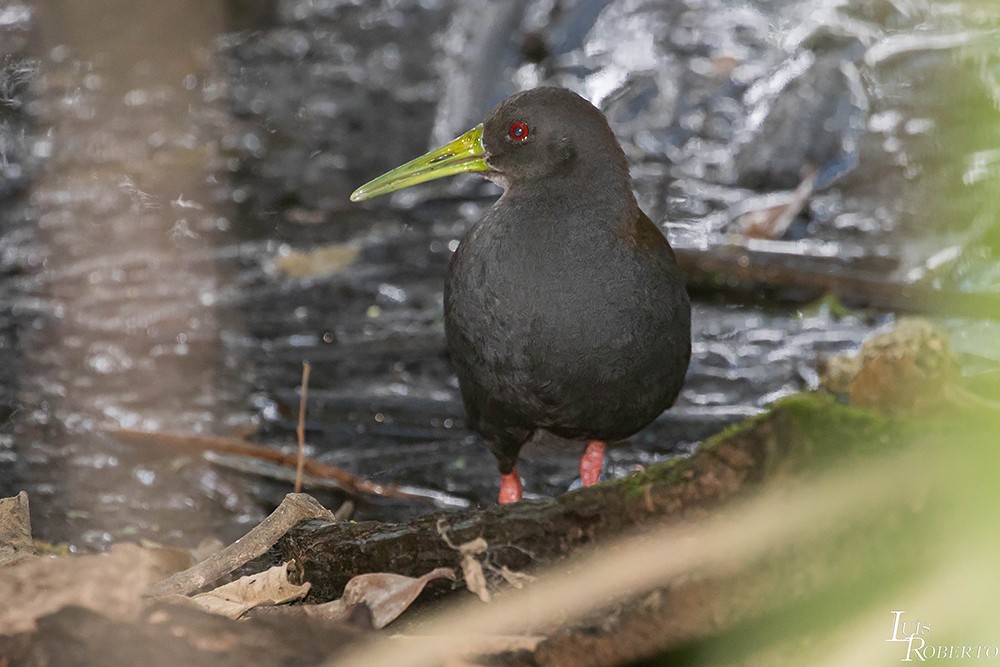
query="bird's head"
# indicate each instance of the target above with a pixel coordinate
(532, 136)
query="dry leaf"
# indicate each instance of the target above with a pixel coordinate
(387, 595)
(773, 221)
(321, 261)
(271, 587)
(15, 530)
(475, 579)
(724, 64)
(514, 578)
(110, 584)
(472, 569)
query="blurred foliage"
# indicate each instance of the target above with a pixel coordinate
(968, 139)
(935, 563)
(952, 591)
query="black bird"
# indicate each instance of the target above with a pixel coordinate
(564, 307)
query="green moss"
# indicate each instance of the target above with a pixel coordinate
(812, 428)
(657, 474)
(825, 420)
(43, 548)
(830, 305)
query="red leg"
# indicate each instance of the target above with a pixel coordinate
(510, 488)
(591, 463)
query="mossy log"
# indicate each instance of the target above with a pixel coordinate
(799, 433)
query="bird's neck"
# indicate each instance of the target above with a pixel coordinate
(602, 196)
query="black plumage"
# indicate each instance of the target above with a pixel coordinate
(564, 307)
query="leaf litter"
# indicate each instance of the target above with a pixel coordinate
(117, 585)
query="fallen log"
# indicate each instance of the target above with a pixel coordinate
(760, 275)
(799, 433)
(790, 443)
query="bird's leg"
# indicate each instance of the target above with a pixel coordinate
(591, 463)
(510, 488)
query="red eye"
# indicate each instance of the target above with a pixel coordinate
(518, 131)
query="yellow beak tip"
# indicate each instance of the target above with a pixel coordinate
(466, 153)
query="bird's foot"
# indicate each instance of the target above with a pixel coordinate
(510, 488)
(591, 463)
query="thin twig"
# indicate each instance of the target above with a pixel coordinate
(348, 481)
(300, 430)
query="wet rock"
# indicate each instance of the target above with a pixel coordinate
(807, 114)
(905, 371)
(18, 69)
(332, 94)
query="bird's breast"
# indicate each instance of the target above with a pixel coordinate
(535, 307)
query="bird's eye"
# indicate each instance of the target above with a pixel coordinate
(518, 131)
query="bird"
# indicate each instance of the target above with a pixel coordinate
(565, 310)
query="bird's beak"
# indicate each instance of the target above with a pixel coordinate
(465, 153)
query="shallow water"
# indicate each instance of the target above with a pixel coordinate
(160, 166)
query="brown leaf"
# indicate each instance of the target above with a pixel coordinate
(321, 261)
(472, 569)
(271, 587)
(387, 595)
(476, 547)
(773, 221)
(514, 578)
(110, 584)
(475, 579)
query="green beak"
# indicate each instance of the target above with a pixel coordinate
(459, 155)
